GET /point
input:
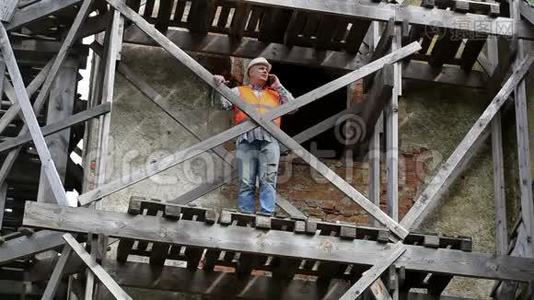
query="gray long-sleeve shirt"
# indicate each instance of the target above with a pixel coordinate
(257, 133)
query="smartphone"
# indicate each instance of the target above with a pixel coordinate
(270, 80)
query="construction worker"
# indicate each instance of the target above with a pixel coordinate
(257, 152)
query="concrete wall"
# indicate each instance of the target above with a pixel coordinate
(433, 120)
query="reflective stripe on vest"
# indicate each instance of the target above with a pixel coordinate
(268, 100)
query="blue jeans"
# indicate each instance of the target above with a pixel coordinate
(258, 159)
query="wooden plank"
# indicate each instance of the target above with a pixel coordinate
(199, 15)
(374, 166)
(31, 120)
(441, 180)
(501, 231)
(250, 48)
(281, 243)
(523, 143)
(471, 52)
(235, 131)
(274, 24)
(445, 48)
(356, 34)
(446, 75)
(7, 9)
(3, 198)
(239, 20)
(164, 15)
(58, 126)
(392, 134)
(57, 273)
(227, 285)
(374, 273)
(60, 106)
(295, 27)
(99, 272)
(37, 11)
(414, 15)
(28, 245)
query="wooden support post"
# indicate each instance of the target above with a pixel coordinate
(429, 197)
(60, 106)
(95, 268)
(392, 133)
(114, 45)
(523, 146)
(57, 273)
(372, 274)
(374, 165)
(501, 238)
(267, 125)
(31, 120)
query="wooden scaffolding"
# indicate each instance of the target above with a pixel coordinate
(439, 41)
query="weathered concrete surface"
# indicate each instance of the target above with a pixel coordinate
(141, 132)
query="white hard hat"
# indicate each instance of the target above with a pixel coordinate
(259, 61)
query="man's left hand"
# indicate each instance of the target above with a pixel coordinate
(275, 82)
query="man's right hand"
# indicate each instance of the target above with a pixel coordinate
(219, 79)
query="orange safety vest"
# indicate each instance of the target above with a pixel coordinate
(268, 100)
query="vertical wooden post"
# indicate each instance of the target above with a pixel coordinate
(523, 148)
(374, 165)
(60, 105)
(114, 43)
(392, 133)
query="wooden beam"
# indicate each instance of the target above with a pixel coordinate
(235, 131)
(374, 273)
(430, 195)
(501, 231)
(37, 11)
(414, 15)
(60, 106)
(7, 9)
(523, 143)
(31, 120)
(249, 48)
(374, 165)
(58, 126)
(392, 133)
(281, 243)
(446, 75)
(228, 285)
(204, 74)
(57, 273)
(28, 245)
(97, 269)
